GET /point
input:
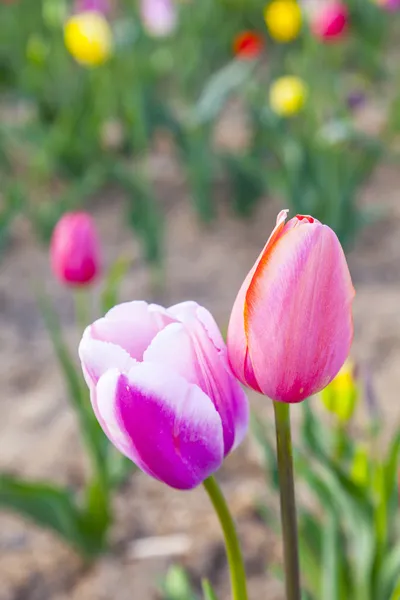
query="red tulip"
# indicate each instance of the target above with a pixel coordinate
(291, 326)
(331, 22)
(248, 45)
(74, 249)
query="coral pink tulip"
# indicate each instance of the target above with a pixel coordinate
(291, 325)
(74, 249)
(330, 22)
(101, 6)
(162, 389)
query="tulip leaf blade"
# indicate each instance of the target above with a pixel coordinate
(208, 592)
(51, 507)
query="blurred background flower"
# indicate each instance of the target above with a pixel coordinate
(287, 95)
(159, 17)
(283, 20)
(88, 38)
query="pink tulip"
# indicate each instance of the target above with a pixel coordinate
(291, 326)
(159, 17)
(162, 390)
(391, 5)
(330, 22)
(74, 249)
(101, 6)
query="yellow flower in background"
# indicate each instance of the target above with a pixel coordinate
(283, 20)
(341, 395)
(88, 38)
(287, 95)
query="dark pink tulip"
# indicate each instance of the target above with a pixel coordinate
(291, 326)
(75, 249)
(162, 389)
(331, 21)
(101, 6)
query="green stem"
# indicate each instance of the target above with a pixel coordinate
(82, 308)
(288, 502)
(235, 559)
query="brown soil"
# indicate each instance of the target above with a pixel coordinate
(38, 429)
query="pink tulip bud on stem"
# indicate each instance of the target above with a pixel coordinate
(75, 258)
(331, 21)
(289, 334)
(163, 392)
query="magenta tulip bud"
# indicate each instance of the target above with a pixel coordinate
(159, 17)
(331, 21)
(74, 249)
(291, 326)
(390, 5)
(162, 389)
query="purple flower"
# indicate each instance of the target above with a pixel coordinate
(162, 389)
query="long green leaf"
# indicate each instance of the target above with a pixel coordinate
(94, 438)
(50, 507)
(330, 559)
(208, 591)
(115, 276)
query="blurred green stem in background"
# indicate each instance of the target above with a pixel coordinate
(288, 502)
(82, 308)
(235, 559)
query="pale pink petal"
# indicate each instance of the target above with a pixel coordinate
(299, 314)
(131, 325)
(167, 426)
(97, 357)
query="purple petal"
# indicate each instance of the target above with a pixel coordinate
(167, 426)
(195, 349)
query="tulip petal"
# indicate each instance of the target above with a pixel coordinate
(167, 426)
(131, 325)
(195, 349)
(97, 357)
(302, 304)
(239, 358)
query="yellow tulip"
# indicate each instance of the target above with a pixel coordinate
(287, 95)
(88, 38)
(283, 20)
(341, 395)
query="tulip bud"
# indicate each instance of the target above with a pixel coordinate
(248, 45)
(162, 389)
(341, 395)
(291, 326)
(283, 20)
(88, 38)
(287, 96)
(74, 249)
(331, 22)
(159, 17)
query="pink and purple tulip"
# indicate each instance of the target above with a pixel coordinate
(75, 249)
(331, 21)
(162, 389)
(291, 326)
(159, 17)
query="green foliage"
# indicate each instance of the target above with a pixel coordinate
(349, 544)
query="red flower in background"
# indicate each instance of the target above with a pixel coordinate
(248, 45)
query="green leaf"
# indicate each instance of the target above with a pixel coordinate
(218, 90)
(330, 559)
(176, 585)
(115, 276)
(396, 592)
(94, 438)
(208, 592)
(50, 507)
(389, 573)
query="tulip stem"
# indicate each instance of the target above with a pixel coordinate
(82, 309)
(234, 554)
(288, 501)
